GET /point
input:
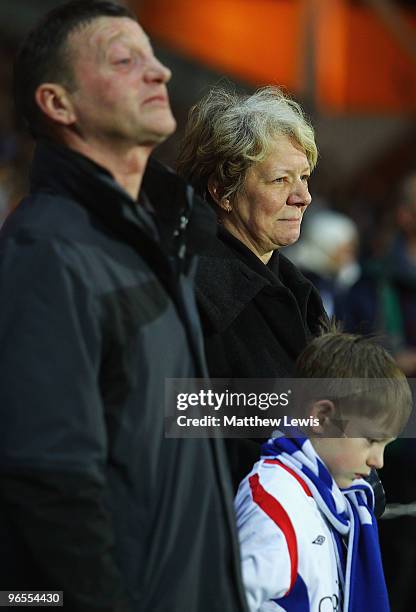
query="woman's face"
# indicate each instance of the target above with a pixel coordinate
(267, 213)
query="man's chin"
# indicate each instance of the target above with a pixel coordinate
(159, 134)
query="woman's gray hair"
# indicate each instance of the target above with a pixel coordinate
(228, 132)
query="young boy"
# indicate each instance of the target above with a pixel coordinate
(305, 517)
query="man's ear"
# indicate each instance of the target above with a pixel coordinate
(55, 103)
(216, 194)
(323, 411)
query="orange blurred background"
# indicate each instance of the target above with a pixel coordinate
(359, 60)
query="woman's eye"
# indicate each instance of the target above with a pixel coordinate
(125, 61)
(281, 179)
(305, 177)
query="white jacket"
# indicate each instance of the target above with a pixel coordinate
(288, 551)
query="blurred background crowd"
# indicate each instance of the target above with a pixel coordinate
(352, 66)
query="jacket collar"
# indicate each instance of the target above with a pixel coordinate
(184, 221)
(58, 169)
(179, 210)
(230, 276)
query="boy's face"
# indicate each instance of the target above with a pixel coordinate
(356, 453)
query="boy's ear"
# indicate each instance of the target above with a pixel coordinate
(323, 411)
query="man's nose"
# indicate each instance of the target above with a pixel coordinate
(156, 71)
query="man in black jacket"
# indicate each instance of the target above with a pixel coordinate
(96, 311)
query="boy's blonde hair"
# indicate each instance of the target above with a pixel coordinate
(361, 378)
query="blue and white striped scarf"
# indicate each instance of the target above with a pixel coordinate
(350, 514)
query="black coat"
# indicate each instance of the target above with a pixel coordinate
(96, 310)
(256, 320)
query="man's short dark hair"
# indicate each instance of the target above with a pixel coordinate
(43, 56)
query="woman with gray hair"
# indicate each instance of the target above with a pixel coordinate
(251, 156)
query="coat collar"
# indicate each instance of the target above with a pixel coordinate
(230, 276)
(184, 221)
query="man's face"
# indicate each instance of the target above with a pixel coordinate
(120, 95)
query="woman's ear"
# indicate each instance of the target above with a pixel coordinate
(323, 413)
(216, 194)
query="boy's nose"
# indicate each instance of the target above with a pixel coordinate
(376, 459)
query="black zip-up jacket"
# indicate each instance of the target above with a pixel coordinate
(96, 310)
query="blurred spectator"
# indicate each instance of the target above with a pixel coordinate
(15, 148)
(6, 186)
(327, 256)
(13, 185)
(384, 298)
(383, 301)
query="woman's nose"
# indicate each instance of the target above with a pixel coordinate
(300, 195)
